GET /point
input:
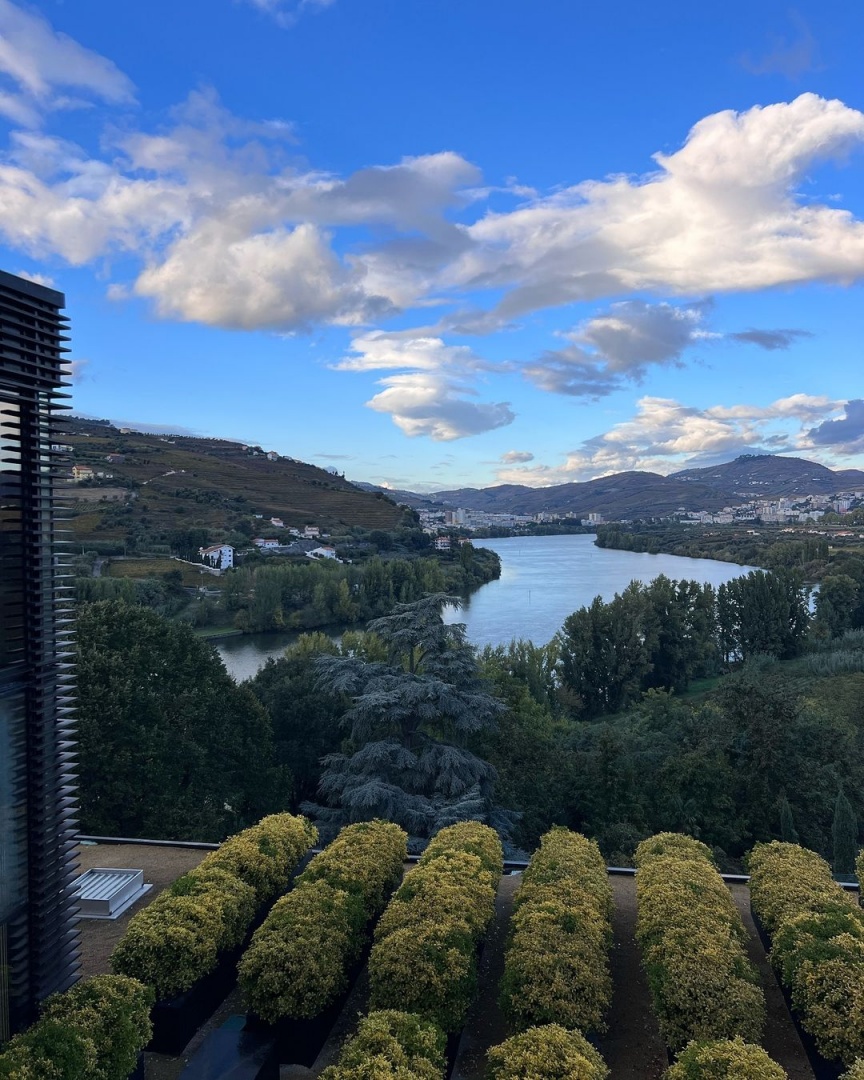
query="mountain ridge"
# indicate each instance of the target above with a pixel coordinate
(634, 493)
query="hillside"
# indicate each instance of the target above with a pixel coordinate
(646, 494)
(160, 483)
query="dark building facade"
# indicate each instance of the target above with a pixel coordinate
(38, 940)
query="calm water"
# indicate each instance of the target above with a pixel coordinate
(546, 578)
(245, 656)
(543, 579)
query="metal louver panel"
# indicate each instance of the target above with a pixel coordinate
(37, 805)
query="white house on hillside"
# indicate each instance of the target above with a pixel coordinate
(266, 545)
(219, 556)
(322, 552)
(442, 543)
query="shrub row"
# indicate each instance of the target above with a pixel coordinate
(177, 939)
(788, 880)
(855, 1073)
(728, 1059)
(92, 1032)
(551, 1052)
(394, 1044)
(300, 957)
(556, 967)
(692, 939)
(425, 956)
(817, 944)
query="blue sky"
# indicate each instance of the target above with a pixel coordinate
(433, 243)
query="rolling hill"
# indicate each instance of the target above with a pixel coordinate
(160, 483)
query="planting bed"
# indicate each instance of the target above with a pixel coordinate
(631, 1047)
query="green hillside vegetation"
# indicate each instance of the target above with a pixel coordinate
(178, 482)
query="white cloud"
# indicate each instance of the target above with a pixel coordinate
(39, 60)
(666, 435)
(721, 214)
(37, 279)
(426, 403)
(287, 12)
(516, 457)
(433, 393)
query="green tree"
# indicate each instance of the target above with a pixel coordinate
(844, 836)
(836, 604)
(408, 723)
(788, 832)
(169, 746)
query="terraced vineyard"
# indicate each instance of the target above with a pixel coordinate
(176, 482)
(561, 972)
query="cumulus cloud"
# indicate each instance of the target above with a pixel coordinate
(720, 214)
(666, 435)
(37, 62)
(37, 279)
(516, 457)
(433, 393)
(618, 346)
(844, 435)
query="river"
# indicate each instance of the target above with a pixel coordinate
(543, 579)
(546, 578)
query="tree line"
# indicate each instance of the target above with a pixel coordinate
(596, 730)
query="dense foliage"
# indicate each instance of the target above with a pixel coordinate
(550, 1052)
(817, 939)
(390, 1043)
(425, 956)
(178, 938)
(729, 1059)
(92, 1032)
(692, 940)
(168, 745)
(556, 968)
(299, 959)
(408, 721)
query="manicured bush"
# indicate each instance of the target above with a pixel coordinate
(470, 837)
(702, 985)
(394, 1044)
(727, 1059)
(817, 944)
(859, 873)
(299, 959)
(92, 1032)
(788, 880)
(460, 894)
(265, 855)
(556, 964)
(425, 956)
(677, 844)
(550, 1052)
(176, 940)
(855, 1073)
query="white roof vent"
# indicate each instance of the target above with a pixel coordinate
(105, 893)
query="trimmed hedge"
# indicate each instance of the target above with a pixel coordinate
(265, 855)
(92, 1032)
(856, 1072)
(817, 944)
(425, 956)
(788, 880)
(728, 1059)
(176, 940)
(556, 968)
(692, 939)
(394, 1044)
(550, 1052)
(300, 957)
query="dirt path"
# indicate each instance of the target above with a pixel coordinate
(486, 1025)
(632, 1048)
(781, 1039)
